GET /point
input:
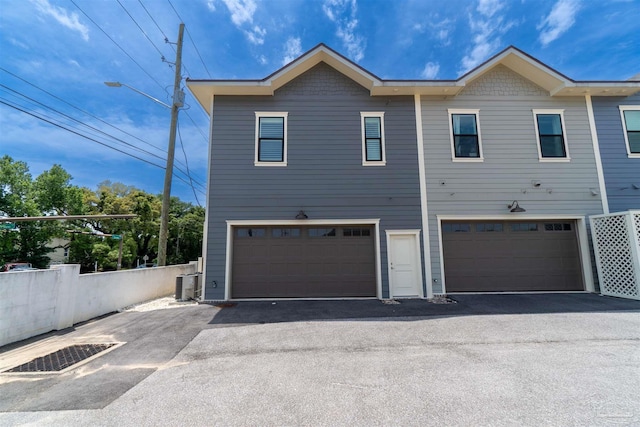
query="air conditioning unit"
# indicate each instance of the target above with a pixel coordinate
(188, 286)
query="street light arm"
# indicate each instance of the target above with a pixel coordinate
(156, 100)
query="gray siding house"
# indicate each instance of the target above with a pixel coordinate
(618, 124)
(311, 179)
(326, 181)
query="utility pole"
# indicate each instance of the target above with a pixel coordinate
(178, 101)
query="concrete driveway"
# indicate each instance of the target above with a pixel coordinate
(555, 359)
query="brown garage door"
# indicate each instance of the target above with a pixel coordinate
(303, 262)
(505, 256)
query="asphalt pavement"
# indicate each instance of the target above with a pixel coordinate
(539, 359)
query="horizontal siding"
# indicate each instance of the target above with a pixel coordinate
(510, 161)
(324, 175)
(620, 171)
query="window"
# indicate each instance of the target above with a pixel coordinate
(373, 150)
(466, 144)
(285, 232)
(456, 228)
(557, 226)
(271, 139)
(489, 227)
(322, 232)
(250, 232)
(356, 232)
(523, 226)
(631, 125)
(552, 143)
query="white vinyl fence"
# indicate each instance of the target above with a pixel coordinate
(616, 243)
(39, 301)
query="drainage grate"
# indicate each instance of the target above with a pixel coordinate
(62, 359)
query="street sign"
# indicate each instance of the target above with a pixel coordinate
(7, 225)
(116, 236)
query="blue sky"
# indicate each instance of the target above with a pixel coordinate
(56, 54)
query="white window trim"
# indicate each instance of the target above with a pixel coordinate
(622, 109)
(451, 112)
(260, 114)
(366, 162)
(565, 139)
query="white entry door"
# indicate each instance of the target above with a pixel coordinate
(405, 274)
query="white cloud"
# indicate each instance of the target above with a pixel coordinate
(559, 20)
(489, 7)
(430, 70)
(343, 14)
(242, 12)
(211, 5)
(18, 43)
(292, 49)
(69, 20)
(256, 35)
(486, 28)
(262, 60)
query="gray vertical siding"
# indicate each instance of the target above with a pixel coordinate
(324, 176)
(620, 171)
(505, 101)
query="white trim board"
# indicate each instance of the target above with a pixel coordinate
(300, 223)
(596, 153)
(426, 249)
(581, 228)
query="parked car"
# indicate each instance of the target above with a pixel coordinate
(17, 266)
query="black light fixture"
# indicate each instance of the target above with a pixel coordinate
(301, 215)
(515, 207)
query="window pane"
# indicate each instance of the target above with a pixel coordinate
(374, 150)
(466, 146)
(272, 127)
(250, 232)
(634, 141)
(271, 150)
(632, 119)
(372, 127)
(285, 232)
(552, 146)
(549, 124)
(464, 124)
(322, 232)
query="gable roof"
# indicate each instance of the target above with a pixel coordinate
(513, 58)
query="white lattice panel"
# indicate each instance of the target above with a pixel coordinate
(616, 241)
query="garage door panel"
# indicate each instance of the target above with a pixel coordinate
(315, 261)
(524, 257)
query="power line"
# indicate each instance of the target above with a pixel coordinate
(120, 47)
(82, 123)
(49, 119)
(140, 28)
(78, 133)
(81, 110)
(187, 162)
(190, 38)
(92, 115)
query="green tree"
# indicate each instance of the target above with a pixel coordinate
(21, 196)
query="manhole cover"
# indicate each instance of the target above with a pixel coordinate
(61, 359)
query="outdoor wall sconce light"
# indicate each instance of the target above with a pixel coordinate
(594, 192)
(536, 183)
(515, 207)
(301, 215)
